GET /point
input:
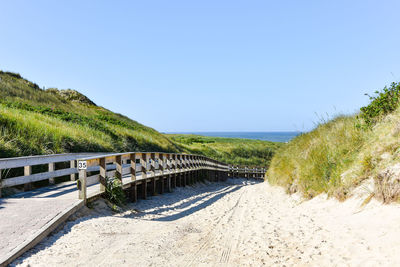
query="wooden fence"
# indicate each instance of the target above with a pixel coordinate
(24, 165)
(141, 173)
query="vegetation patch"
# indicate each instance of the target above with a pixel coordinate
(34, 121)
(114, 192)
(383, 103)
(245, 152)
(340, 154)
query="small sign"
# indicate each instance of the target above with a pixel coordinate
(82, 165)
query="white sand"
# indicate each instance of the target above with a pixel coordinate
(228, 224)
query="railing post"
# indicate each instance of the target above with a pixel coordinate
(82, 185)
(103, 174)
(166, 170)
(143, 165)
(51, 169)
(158, 165)
(151, 162)
(188, 170)
(184, 169)
(132, 171)
(192, 169)
(160, 158)
(195, 167)
(132, 157)
(148, 165)
(27, 172)
(143, 170)
(178, 169)
(173, 169)
(72, 165)
(0, 182)
(118, 169)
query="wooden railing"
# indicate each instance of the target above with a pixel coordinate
(22, 168)
(152, 171)
(247, 172)
(139, 172)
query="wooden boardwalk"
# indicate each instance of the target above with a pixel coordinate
(28, 217)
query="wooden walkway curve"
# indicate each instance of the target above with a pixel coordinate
(28, 217)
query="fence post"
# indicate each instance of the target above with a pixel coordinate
(82, 185)
(143, 165)
(27, 172)
(133, 166)
(167, 171)
(103, 174)
(151, 162)
(118, 169)
(159, 165)
(173, 169)
(51, 169)
(160, 160)
(0, 182)
(72, 165)
(183, 167)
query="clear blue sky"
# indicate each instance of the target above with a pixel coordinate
(208, 65)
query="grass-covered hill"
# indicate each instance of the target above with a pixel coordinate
(341, 154)
(34, 121)
(232, 150)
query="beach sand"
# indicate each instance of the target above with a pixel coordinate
(234, 223)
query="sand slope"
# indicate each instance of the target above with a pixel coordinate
(227, 224)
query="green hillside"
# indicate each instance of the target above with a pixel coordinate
(340, 155)
(34, 121)
(231, 150)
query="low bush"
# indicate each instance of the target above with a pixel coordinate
(385, 101)
(114, 192)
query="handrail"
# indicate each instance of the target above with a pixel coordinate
(131, 167)
(148, 164)
(8, 163)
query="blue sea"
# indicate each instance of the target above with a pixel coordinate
(267, 136)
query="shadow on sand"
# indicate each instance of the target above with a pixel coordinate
(200, 197)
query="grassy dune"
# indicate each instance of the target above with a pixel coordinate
(35, 121)
(339, 155)
(230, 150)
(314, 162)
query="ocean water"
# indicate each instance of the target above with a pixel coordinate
(267, 136)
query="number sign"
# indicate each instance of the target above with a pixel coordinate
(82, 165)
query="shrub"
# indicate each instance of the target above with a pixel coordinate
(114, 192)
(385, 101)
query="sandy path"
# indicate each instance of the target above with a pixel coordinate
(228, 224)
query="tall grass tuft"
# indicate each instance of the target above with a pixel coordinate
(338, 155)
(313, 162)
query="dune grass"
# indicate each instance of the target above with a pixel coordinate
(313, 162)
(339, 155)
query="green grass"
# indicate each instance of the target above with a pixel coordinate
(339, 155)
(35, 121)
(313, 162)
(230, 150)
